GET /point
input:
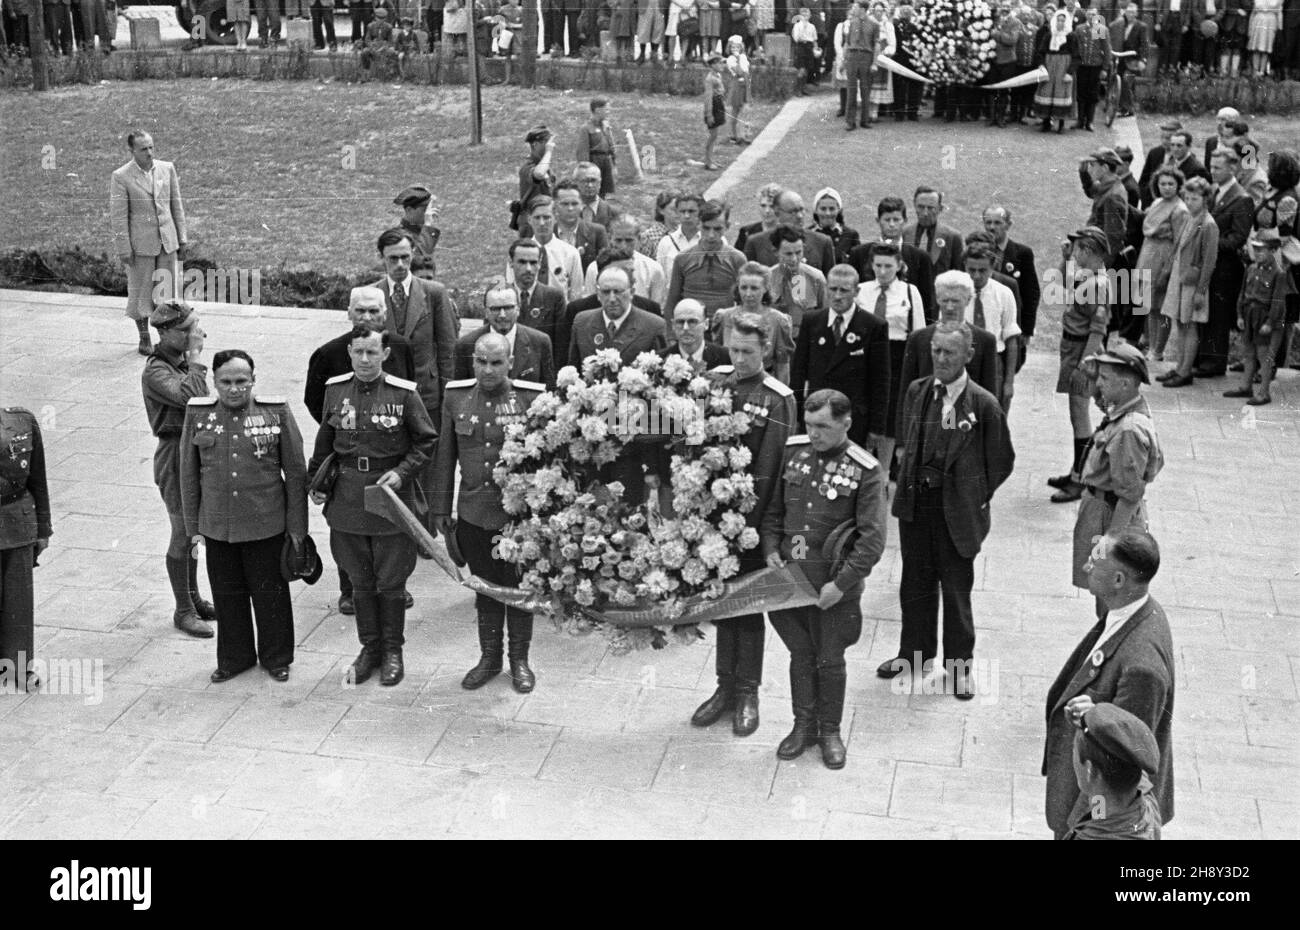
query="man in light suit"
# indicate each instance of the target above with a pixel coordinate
(148, 222)
(1127, 659)
(942, 243)
(617, 324)
(541, 306)
(532, 358)
(956, 453)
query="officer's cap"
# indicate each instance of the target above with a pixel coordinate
(1105, 155)
(301, 563)
(417, 195)
(1093, 236)
(1123, 736)
(1126, 356)
(538, 133)
(173, 314)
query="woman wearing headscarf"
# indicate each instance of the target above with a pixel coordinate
(828, 219)
(882, 81)
(737, 87)
(1161, 228)
(1054, 50)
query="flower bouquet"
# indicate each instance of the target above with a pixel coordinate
(953, 43)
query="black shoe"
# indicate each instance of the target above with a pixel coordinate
(744, 719)
(1060, 481)
(346, 605)
(963, 690)
(834, 755)
(1236, 366)
(225, 674)
(203, 608)
(481, 674)
(408, 600)
(281, 673)
(145, 347)
(1239, 392)
(1259, 401)
(521, 676)
(892, 668)
(1068, 495)
(713, 710)
(364, 665)
(1180, 381)
(801, 737)
(1168, 375)
(1209, 372)
(188, 621)
(393, 670)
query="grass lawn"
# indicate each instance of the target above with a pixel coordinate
(263, 172)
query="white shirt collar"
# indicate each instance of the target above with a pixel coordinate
(696, 356)
(618, 324)
(1118, 616)
(848, 317)
(953, 391)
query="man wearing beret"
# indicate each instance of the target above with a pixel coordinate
(535, 177)
(243, 487)
(414, 202)
(24, 534)
(171, 377)
(1109, 200)
(1115, 758)
(1127, 659)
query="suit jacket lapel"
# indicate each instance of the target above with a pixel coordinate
(415, 305)
(960, 411)
(1088, 669)
(844, 346)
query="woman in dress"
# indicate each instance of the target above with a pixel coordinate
(882, 81)
(1265, 21)
(1160, 230)
(622, 27)
(1054, 50)
(671, 32)
(828, 219)
(650, 29)
(764, 21)
(710, 25)
(737, 87)
(751, 297)
(839, 75)
(1233, 17)
(767, 195)
(237, 12)
(665, 222)
(1187, 296)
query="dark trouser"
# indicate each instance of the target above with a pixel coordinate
(605, 163)
(1022, 98)
(1126, 89)
(739, 658)
(931, 564)
(1088, 81)
(805, 62)
(1001, 98)
(433, 23)
(1288, 50)
(379, 567)
(322, 15)
(817, 640)
(361, 14)
(857, 70)
(58, 27)
(476, 546)
(268, 21)
(246, 582)
(1216, 332)
(554, 24)
(17, 606)
(907, 97)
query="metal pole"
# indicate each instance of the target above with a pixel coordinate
(475, 99)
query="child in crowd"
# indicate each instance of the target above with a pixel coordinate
(1261, 310)
(804, 37)
(715, 107)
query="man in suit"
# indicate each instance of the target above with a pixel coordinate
(819, 250)
(956, 453)
(148, 221)
(532, 358)
(1226, 123)
(588, 238)
(58, 25)
(956, 290)
(1234, 213)
(1127, 659)
(942, 243)
(689, 341)
(562, 264)
(1016, 260)
(891, 216)
(541, 306)
(617, 324)
(608, 258)
(624, 236)
(595, 209)
(848, 350)
(1155, 160)
(1180, 156)
(1129, 35)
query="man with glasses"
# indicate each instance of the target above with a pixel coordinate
(819, 250)
(689, 341)
(616, 324)
(532, 358)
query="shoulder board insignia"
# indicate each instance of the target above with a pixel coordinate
(462, 383)
(339, 379)
(772, 384)
(200, 402)
(862, 456)
(798, 441)
(528, 385)
(270, 399)
(399, 382)
(722, 370)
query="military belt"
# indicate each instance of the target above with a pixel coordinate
(368, 463)
(6, 499)
(1110, 497)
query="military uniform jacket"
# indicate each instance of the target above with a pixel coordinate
(168, 385)
(770, 405)
(24, 496)
(424, 239)
(1125, 455)
(473, 429)
(374, 427)
(243, 476)
(819, 491)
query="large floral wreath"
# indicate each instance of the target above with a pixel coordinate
(953, 42)
(580, 547)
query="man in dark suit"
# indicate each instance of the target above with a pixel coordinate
(956, 453)
(617, 324)
(1234, 213)
(891, 216)
(818, 249)
(689, 341)
(532, 358)
(1129, 34)
(594, 209)
(1016, 261)
(541, 306)
(1155, 160)
(846, 349)
(1180, 156)
(610, 257)
(942, 243)
(917, 359)
(588, 238)
(366, 306)
(1127, 659)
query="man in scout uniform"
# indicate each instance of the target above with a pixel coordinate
(475, 414)
(770, 406)
(414, 202)
(1115, 758)
(243, 486)
(830, 488)
(171, 377)
(380, 433)
(1123, 456)
(24, 534)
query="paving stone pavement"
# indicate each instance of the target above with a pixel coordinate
(603, 747)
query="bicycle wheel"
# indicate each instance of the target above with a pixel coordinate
(1112, 99)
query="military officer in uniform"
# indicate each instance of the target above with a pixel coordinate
(1115, 757)
(414, 202)
(770, 406)
(243, 486)
(24, 534)
(829, 486)
(475, 414)
(172, 375)
(1123, 456)
(380, 433)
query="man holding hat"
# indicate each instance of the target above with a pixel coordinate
(1115, 758)
(243, 487)
(1122, 457)
(414, 202)
(535, 177)
(1109, 200)
(171, 376)
(475, 416)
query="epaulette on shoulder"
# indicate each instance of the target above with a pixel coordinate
(798, 440)
(200, 402)
(862, 456)
(528, 385)
(773, 384)
(722, 370)
(271, 399)
(399, 382)
(462, 383)
(339, 379)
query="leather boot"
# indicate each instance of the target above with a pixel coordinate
(831, 684)
(744, 719)
(146, 344)
(490, 624)
(844, 100)
(520, 625)
(834, 755)
(803, 699)
(368, 660)
(185, 618)
(203, 608)
(392, 628)
(715, 708)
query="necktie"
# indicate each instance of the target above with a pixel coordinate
(837, 328)
(979, 311)
(525, 299)
(610, 332)
(880, 304)
(399, 305)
